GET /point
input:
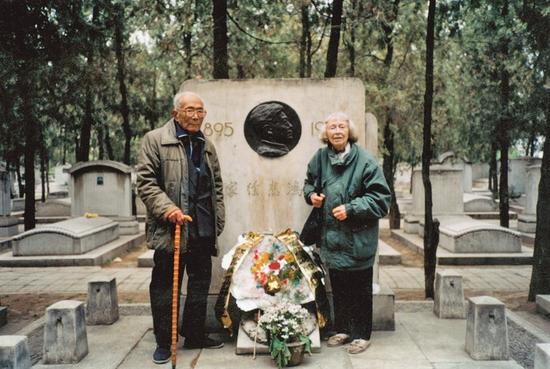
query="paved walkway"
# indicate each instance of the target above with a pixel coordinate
(396, 277)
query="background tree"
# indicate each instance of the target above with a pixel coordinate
(430, 237)
(334, 40)
(219, 15)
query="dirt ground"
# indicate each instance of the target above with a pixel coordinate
(26, 308)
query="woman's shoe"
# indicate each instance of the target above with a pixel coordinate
(358, 345)
(338, 340)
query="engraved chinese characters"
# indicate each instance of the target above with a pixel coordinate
(272, 129)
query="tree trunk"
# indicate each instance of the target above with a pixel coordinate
(43, 175)
(220, 58)
(100, 141)
(493, 173)
(430, 237)
(351, 44)
(108, 144)
(305, 41)
(389, 171)
(121, 76)
(83, 151)
(540, 275)
(334, 40)
(504, 140)
(19, 179)
(30, 130)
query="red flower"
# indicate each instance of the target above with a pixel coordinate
(274, 265)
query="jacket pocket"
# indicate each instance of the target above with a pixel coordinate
(338, 240)
(364, 246)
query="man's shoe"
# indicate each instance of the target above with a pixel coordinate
(338, 340)
(206, 343)
(162, 355)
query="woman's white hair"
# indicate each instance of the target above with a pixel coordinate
(340, 117)
(180, 95)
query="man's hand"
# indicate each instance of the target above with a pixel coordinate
(317, 200)
(339, 212)
(177, 216)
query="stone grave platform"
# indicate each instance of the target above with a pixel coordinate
(70, 237)
(463, 234)
(477, 203)
(445, 257)
(98, 256)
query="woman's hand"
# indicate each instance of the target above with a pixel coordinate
(339, 212)
(317, 200)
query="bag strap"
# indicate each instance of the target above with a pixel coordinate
(319, 180)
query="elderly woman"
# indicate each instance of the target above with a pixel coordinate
(354, 196)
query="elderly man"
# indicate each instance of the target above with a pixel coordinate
(179, 180)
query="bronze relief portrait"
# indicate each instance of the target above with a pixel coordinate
(272, 129)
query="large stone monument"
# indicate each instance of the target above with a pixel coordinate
(263, 192)
(8, 224)
(103, 187)
(527, 221)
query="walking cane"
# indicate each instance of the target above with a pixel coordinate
(175, 293)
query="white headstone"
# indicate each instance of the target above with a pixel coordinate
(61, 175)
(517, 174)
(265, 193)
(447, 190)
(102, 187)
(527, 221)
(5, 194)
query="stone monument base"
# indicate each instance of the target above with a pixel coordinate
(127, 225)
(8, 226)
(527, 223)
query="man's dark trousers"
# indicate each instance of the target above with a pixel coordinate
(198, 264)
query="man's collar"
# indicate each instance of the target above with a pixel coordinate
(182, 132)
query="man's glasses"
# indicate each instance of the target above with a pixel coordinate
(190, 112)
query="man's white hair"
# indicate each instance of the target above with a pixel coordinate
(180, 95)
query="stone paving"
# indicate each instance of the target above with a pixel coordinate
(396, 277)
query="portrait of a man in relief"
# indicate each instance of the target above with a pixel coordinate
(272, 129)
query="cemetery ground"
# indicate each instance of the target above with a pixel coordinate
(34, 289)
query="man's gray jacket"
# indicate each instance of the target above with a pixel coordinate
(163, 183)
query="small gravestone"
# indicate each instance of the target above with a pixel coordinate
(486, 329)
(14, 352)
(527, 220)
(542, 356)
(543, 304)
(449, 295)
(103, 187)
(65, 338)
(3, 316)
(102, 303)
(383, 310)
(8, 224)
